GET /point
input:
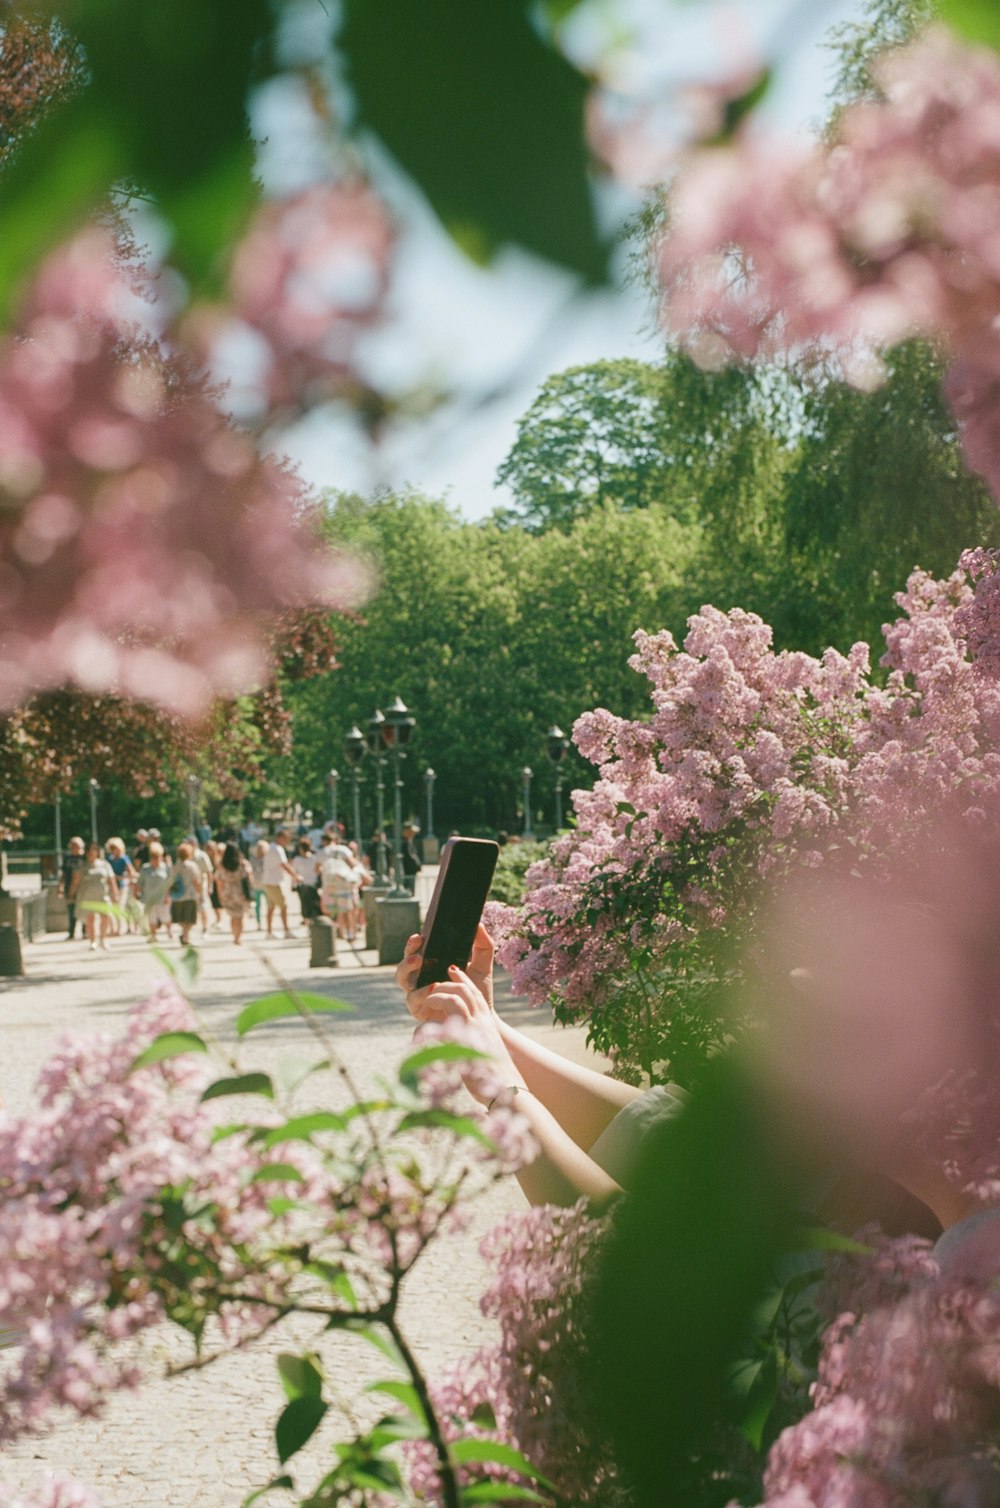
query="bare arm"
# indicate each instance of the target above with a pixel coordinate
(568, 1106)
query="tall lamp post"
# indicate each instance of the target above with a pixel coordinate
(526, 775)
(376, 744)
(429, 778)
(395, 735)
(354, 753)
(193, 792)
(58, 805)
(331, 788)
(92, 789)
(556, 744)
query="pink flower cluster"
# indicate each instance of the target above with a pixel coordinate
(532, 1384)
(56, 1491)
(145, 541)
(118, 1166)
(750, 761)
(907, 1400)
(887, 230)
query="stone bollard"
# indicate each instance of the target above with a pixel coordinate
(10, 951)
(322, 944)
(397, 919)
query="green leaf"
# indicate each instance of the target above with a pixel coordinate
(491, 125)
(376, 1336)
(169, 1045)
(282, 1481)
(818, 1238)
(297, 1424)
(498, 1454)
(975, 20)
(283, 1004)
(762, 1397)
(492, 1491)
(404, 1393)
(459, 1125)
(304, 1127)
(277, 1172)
(246, 1083)
(294, 1067)
(441, 1052)
(300, 1376)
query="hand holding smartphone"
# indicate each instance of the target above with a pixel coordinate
(463, 884)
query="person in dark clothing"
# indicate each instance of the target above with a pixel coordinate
(410, 857)
(73, 860)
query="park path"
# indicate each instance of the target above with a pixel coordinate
(204, 1440)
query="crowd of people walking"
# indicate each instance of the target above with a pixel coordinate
(244, 878)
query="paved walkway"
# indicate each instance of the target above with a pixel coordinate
(204, 1440)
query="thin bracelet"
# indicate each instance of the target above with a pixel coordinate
(508, 1089)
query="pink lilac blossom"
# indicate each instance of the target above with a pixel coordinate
(907, 1399)
(56, 1491)
(756, 760)
(885, 231)
(533, 1381)
(139, 529)
(90, 1183)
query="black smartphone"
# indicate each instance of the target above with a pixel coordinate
(463, 883)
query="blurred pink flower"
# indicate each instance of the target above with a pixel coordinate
(145, 543)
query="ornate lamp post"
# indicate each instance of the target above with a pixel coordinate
(526, 775)
(331, 790)
(193, 792)
(556, 744)
(375, 743)
(354, 753)
(93, 788)
(429, 778)
(395, 734)
(58, 805)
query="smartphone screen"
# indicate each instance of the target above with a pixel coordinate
(463, 883)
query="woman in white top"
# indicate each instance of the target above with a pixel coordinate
(589, 1127)
(94, 884)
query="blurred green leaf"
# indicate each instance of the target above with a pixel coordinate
(282, 1004)
(975, 20)
(458, 1125)
(441, 1052)
(485, 115)
(246, 1083)
(300, 1376)
(819, 1238)
(493, 1491)
(283, 1481)
(297, 1423)
(277, 1172)
(164, 109)
(169, 1045)
(709, 1212)
(304, 1127)
(495, 1452)
(403, 1392)
(736, 110)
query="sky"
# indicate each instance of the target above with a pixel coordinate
(488, 338)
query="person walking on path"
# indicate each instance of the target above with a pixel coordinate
(257, 854)
(73, 861)
(154, 877)
(94, 884)
(125, 875)
(273, 873)
(234, 880)
(185, 886)
(410, 857)
(306, 865)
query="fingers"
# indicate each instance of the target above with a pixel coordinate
(409, 968)
(481, 958)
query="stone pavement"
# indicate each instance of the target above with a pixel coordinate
(204, 1440)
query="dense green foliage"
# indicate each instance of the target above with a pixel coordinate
(489, 635)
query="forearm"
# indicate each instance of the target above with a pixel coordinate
(581, 1100)
(562, 1172)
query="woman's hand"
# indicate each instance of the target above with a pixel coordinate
(420, 1003)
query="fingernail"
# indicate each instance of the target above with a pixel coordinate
(454, 969)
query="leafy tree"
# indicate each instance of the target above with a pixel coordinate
(489, 635)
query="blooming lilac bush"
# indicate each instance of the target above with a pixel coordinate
(531, 1389)
(129, 1201)
(750, 762)
(884, 231)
